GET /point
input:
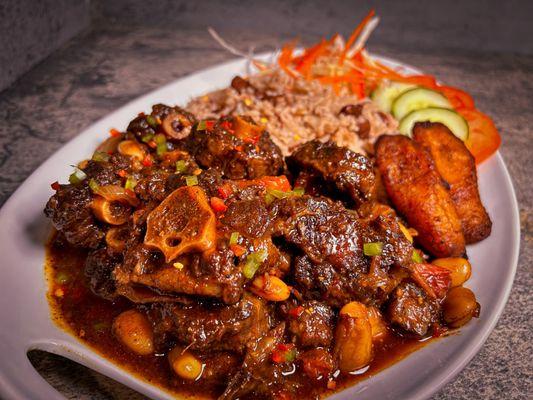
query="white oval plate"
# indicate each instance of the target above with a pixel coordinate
(24, 312)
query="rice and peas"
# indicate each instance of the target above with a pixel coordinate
(296, 110)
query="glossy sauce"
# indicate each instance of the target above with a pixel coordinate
(77, 310)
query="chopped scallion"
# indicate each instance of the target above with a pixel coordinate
(100, 156)
(234, 238)
(77, 176)
(416, 257)
(93, 185)
(151, 121)
(160, 139)
(373, 248)
(131, 182)
(269, 199)
(291, 355)
(260, 255)
(253, 262)
(161, 142)
(250, 268)
(201, 126)
(191, 180)
(147, 137)
(181, 166)
(299, 191)
(161, 149)
(278, 194)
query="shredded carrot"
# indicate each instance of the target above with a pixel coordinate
(361, 74)
(285, 58)
(306, 61)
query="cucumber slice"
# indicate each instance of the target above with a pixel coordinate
(386, 93)
(416, 99)
(455, 122)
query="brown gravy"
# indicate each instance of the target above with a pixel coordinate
(89, 318)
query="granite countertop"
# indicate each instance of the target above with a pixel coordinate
(107, 67)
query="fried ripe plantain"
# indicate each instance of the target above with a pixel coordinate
(418, 193)
(457, 167)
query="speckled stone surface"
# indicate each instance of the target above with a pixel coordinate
(101, 71)
(30, 30)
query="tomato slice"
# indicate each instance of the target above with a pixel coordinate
(459, 98)
(484, 139)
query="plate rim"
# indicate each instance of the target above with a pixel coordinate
(433, 383)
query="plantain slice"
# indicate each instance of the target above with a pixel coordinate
(457, 167)
(418, 193)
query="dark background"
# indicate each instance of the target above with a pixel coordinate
(66, 63)
(30, 30)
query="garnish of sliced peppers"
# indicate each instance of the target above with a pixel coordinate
(284, 352)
